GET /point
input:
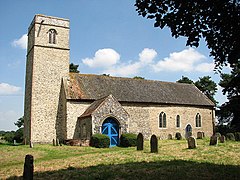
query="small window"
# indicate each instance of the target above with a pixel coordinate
(198, 120)
(52, 36)
(178, 121)
(162, 120)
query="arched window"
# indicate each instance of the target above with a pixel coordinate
(178, 121)
(52, 36)
(198, 120)
(162, 120)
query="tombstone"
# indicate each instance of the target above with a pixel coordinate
(53, 142)
(57, 142)
(31, 144)
(213, 140)
(140, 141)
(14, 142)
(154, 144)
(170, 136)
(222, 139)
(199, 135)
(28, 167)
(192, 144)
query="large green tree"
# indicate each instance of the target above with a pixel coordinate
(73, 68)
(207, 86)
(215, 21)
(185, 79)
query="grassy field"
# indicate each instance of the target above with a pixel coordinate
(174, 161)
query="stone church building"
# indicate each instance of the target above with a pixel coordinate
(62, 105)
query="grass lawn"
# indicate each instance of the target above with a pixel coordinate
(174, 161)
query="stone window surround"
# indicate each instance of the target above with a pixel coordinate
(162, 118)
(52, 36)
(178, 118)
(198, 120)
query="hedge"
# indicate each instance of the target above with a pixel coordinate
(100, 141)
(128, 140)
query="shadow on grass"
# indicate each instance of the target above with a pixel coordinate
(176, 169)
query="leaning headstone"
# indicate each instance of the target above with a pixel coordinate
(222, 139)
(213, 140)
(170, 136)
(191, 142)
(53, 142)
(199, 135)
(140, 142)
(154, 144)
(57, 142)
(28, 167)
(31, 144)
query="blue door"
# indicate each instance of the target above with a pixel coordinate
(111, 129)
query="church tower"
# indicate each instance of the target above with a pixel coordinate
(47, 63)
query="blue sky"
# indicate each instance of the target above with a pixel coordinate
(106, 36)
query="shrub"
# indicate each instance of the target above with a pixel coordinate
(178, 136)
(218, 134)
(230, 136)
(100, 141)
(128, 140)
(237, 136)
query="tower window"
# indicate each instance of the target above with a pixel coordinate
(162, 120)
(52, 36)
(178, 121)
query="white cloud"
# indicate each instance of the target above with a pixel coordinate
(103, 58)
(147, 55)
(21, 42)
(124, 69)
(7, 120)
(7, 89)
(187, 60)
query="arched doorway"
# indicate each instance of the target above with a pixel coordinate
(188, 130)
(110, 127)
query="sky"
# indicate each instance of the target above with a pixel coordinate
(106, 37)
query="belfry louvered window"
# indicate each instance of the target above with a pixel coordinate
(52, 36)
(162, 120)
(198, 120)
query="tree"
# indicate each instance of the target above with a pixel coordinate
(138, 77)
(216, 21)
(20, 122)
(185, 80)
(230, 111)
(73, 68)
(207, 86)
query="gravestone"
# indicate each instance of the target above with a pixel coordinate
(31, 144)
(213, 140)
(28, 167)
(199, 135)
(57, 142)
(154, 144)
(170, 136)
(53, 142)
(192, 144)
(140, 142)
(222, 139)
(14, 142)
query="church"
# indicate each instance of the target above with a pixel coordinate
(62, 105)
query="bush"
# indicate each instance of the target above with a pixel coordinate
(9, 136)
(128, 140)
(178, 136)
(100, 141)
(237, 136)
(19, 135)
(230, 136)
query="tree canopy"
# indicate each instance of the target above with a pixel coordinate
(73, 68)
(185, 79)
(217, 21)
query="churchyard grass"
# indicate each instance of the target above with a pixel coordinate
(173, 161)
